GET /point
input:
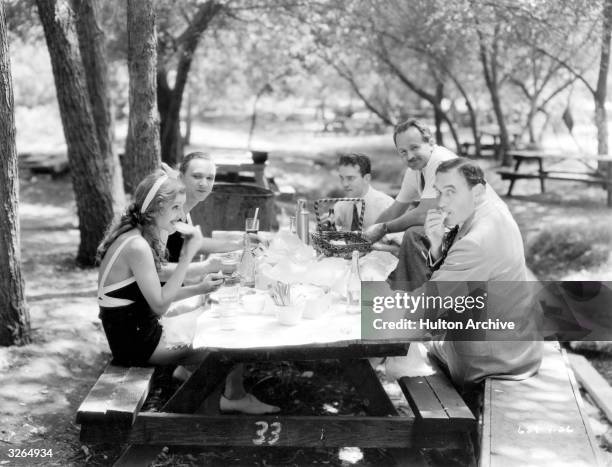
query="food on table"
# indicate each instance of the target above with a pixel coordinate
(183, 228)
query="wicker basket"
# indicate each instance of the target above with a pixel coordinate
(334, 243)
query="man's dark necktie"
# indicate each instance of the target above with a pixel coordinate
(449, 238)
(355, 221)
(447, 242)
(422, 181)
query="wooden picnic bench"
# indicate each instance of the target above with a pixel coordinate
(588, 176)
(110, 408)
(439, 418)
(55, 164)
(539, 421)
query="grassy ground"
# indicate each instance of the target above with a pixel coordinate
(42, 384)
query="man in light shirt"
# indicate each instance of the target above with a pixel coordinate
(416, 147)
(355, 171)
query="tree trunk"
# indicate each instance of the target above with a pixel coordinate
(142, 147)
(14, 316)
(490, 76)
(529, 124)
(91, 176)
(170, 99)
(265, 88)
(170, 123)
(170, 128)
(471, 113)
(92, 45)
(438, 113)
(501, 123)
(453, 131)
(601, 119)
(188, 120)
(253, 119)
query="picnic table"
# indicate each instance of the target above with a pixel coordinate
(489, 139)
(436, 416)
(549, 167)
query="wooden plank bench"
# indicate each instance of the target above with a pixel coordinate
(110, 408)
(602, 177)
(566, 176)
(468, 149)
(440, 412)
(593, 383)
(539, 421)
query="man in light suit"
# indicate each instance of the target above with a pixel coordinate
(486, 253)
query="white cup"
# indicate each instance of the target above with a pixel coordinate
(227, 316)
(254, 303)
(289, 315)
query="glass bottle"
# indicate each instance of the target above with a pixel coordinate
(353, 286)
(302, 221)
(246, 268)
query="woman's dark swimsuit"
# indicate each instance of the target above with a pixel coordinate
(174, 245)
(132, 328)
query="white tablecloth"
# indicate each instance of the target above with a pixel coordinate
(257, 331)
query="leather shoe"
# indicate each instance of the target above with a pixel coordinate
(249, 404)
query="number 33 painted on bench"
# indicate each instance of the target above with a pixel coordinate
(275, 430)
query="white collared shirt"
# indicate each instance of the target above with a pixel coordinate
(411, 183)
(375, 203)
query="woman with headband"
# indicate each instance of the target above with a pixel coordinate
(130, 295)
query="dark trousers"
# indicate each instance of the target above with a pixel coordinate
(412, 270)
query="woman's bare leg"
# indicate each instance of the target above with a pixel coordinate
(234, 383)
(234, 398)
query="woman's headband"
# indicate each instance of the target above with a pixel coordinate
(152, 192)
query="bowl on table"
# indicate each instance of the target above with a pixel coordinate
(289, 315)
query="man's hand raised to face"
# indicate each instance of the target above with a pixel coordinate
(434, 229)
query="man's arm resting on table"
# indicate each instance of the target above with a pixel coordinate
(412, 217)
(393, 212)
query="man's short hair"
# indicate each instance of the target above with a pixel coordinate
(356, 158)
(423, 129)
(470, 170)
(184, 165)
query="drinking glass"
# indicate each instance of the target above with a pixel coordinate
(251, 225)
(228, 306)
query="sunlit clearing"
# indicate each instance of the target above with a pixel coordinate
(42, 210)
(350, 455)
(330, 408)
